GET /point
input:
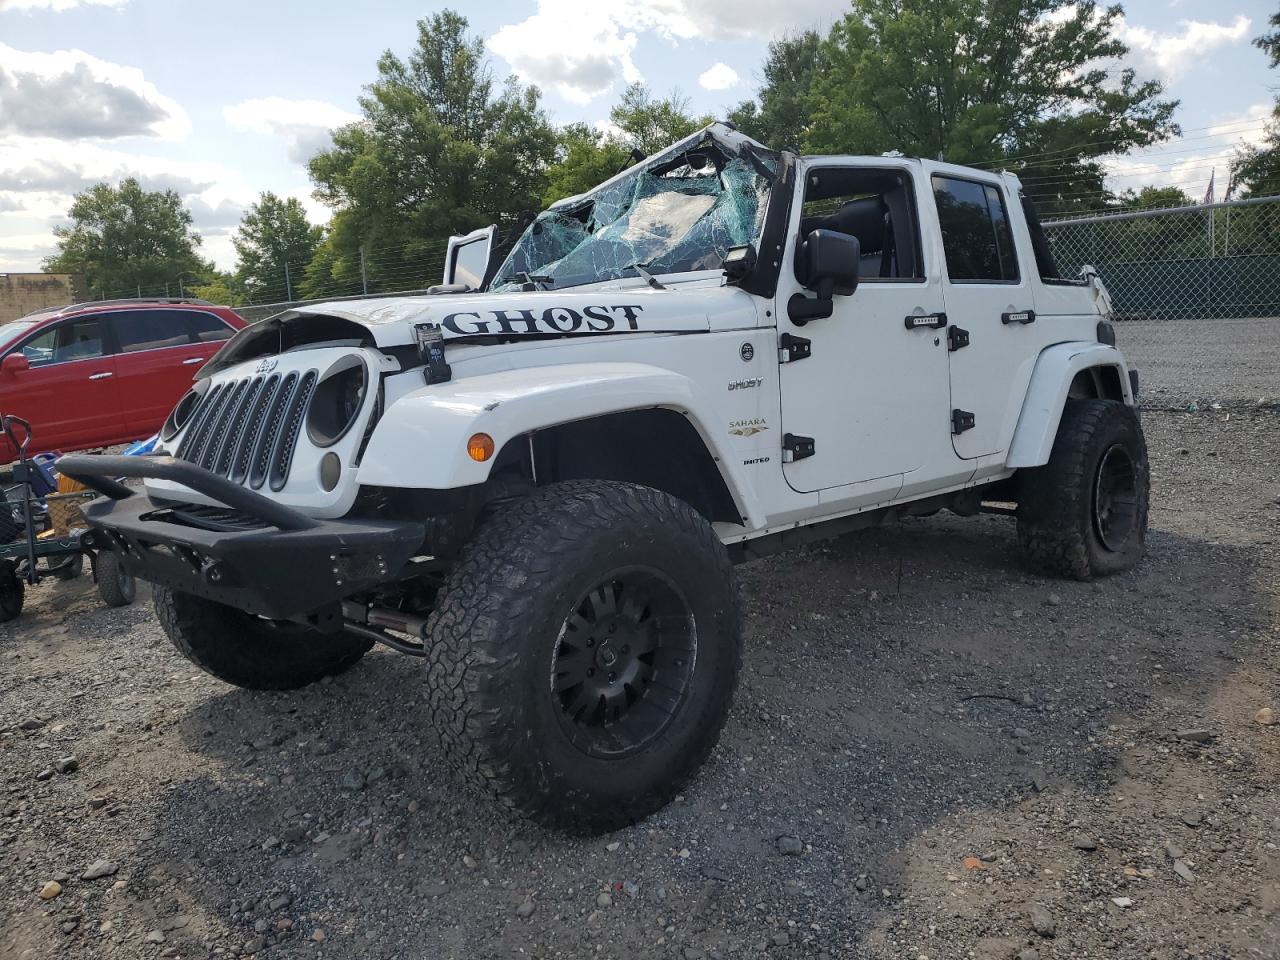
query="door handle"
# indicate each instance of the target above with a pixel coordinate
(931, 321)
(190, 360)
(1019, 316)
(99, 376)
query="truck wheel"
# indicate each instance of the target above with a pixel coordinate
(250, 652)
(116, 585)
(12, 592)
(584, 652)
(1084, 514)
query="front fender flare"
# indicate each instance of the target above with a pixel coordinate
(421, 440)
(1046, 396)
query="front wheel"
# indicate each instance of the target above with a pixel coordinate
(251, 652)
(1084, 513)
(584, 652)
(116, 585)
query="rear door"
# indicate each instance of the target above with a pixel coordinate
(988, 296)
(70, 392)
(156, 362)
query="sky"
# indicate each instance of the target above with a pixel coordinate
(220, 101)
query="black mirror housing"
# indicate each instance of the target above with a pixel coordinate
(827, 263)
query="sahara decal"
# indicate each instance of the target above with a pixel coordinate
(590, 319)
(748, 428)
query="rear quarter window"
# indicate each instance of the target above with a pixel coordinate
(206, 328)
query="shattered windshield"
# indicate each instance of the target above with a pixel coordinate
(681, 216)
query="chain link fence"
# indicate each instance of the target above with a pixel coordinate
(1199, 289)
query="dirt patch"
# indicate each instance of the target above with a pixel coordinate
(933, 753)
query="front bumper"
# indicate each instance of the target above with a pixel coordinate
(257, 555)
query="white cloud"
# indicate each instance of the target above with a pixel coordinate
(719, 76)
(581, 49)
(56, 5)
(304, 125)
(70, 94)
(1168, 55)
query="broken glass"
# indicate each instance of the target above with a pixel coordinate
(679, 219)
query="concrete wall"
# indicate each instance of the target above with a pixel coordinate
(21, 293)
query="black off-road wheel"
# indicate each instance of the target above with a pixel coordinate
(116, 585)
(248, 651)
(584, 652)
(12, 592)
(1084, 514)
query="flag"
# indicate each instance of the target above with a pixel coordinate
(1208, 194)
(1231, 188)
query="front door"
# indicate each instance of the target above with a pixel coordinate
(69, 392)
(989, 295)
(873, 390)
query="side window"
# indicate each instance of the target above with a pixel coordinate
(876, 206)
(149, 329)
(976, 237)
(206, 328)
(75, 340)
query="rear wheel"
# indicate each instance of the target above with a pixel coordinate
(251, 652)
(584, 652)
(116, 585)
(12, 592)
(1084, 514)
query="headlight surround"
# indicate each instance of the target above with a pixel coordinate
(337, 402)
(180, 415)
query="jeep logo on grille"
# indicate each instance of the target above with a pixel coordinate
(266, 365)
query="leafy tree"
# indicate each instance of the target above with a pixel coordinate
(221, 289)
(1154, 198)
(125, 238)
(1019, 83)
(274, 232)
(438, 152)
(781, 117)
(585, 158)
(1257, 168)
(649, 125)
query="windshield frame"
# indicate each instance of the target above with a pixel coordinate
(772, 174)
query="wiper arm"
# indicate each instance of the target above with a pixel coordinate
(649, 278)
(532, 281)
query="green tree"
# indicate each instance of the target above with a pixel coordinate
(1019, 83)
(648, 125)
(125, 239)
(438, 152)
(1154, 198)
(273, 233)
(222, 288)
(585, 158)
(779, 117)
(1256, 169)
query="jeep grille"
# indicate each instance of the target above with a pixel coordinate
(247, 429)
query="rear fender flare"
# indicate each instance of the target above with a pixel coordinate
(1047, 393)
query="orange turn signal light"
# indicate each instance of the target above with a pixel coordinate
(480, 447)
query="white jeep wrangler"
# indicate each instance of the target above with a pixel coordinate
(540, 476)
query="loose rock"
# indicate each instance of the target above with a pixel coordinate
(98, 869)
(1266, 716)
(50, 890)
(67, 764)
(1195, 735)
(525, 909)
(790, 846)
(1042, 921)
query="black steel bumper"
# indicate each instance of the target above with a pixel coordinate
(259, 556)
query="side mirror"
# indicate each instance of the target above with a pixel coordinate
(15, 362)
(466, 260)
(827, 263)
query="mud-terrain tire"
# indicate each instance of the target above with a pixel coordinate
(116, 585)
(584, 651)
(247, 651)
(1084, 513)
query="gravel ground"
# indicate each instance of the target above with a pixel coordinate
(933, 754)
(1203, 362)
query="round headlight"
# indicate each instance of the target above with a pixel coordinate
(180, 416)
(337, 402)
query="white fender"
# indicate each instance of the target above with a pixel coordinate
(421, 440)
(1047, 394)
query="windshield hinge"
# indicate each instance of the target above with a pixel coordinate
(792, 348)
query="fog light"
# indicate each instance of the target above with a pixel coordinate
(480, 447)
(330, 470)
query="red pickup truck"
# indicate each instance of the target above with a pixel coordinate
(99, 374)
